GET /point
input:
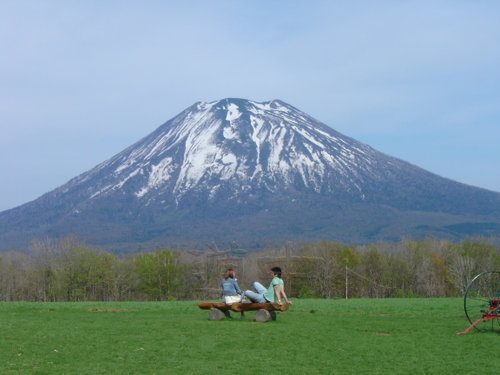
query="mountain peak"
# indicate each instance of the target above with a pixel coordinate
(244, 105)
(234, 143)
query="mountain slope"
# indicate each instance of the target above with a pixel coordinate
(253, 172)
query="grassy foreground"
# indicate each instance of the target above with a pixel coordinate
(359, 336)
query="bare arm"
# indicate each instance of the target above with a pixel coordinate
(286, 297)
(281, 292)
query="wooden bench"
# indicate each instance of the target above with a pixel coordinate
(265, 311)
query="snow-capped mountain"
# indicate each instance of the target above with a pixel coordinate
(230, 147)
(237, 169)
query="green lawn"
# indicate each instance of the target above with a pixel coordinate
(358, 336)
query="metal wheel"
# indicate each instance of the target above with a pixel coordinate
(482, 299)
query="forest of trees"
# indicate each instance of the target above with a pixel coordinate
(67, 269)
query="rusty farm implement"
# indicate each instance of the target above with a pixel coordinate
(482, 302)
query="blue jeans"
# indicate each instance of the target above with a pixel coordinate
(257, 296)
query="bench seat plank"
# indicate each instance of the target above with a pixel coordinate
(240, 306)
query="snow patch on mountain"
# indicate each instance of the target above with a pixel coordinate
(159, 174)
(233, 112)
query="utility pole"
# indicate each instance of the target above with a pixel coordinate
(346, 282)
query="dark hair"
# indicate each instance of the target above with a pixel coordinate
(229, 274)
(276, 271)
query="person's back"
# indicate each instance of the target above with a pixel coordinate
(270, 295)
(230, 289)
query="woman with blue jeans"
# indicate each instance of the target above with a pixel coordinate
(272, 294)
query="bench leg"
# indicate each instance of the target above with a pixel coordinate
(262, 316)
(273, 315)
(216, 314)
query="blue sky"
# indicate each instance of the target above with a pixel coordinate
(82, 80)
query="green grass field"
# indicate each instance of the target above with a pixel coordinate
(358, 336)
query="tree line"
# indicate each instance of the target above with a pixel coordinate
(68, 269)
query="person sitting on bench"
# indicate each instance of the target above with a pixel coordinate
(272, 294)
(231, 292)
